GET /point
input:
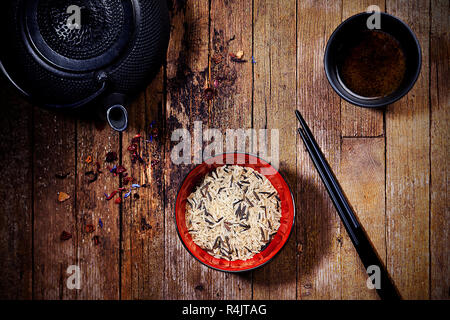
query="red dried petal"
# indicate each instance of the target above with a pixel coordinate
(133, 147)
(111, 195)
(127, 180)
(89, 228)
(96, 240)
(121, 169)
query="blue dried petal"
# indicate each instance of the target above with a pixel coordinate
(127, 194)
(135, 186)
(100, 223)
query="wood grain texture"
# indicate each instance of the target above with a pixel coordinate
(54, 153)
(318, 227)
(143, 217)
(274, 104)
(187, 69)
(394, 174)
(440, 146)
(408, 169)
(362, 175)
(357, 121)
(16, 212)
(99, 263)
(231, 108)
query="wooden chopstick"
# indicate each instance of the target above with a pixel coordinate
(386, 289)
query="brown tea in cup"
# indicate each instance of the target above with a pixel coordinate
(373, 64)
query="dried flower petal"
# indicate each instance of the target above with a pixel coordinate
(100, 223)
(89, 228)
(136, 139)
(127, 180)
(109, 197)
(240, 54)
(62, 196)
(120, 169)
(96, 240)
(88, 159)
(127, 194)
(133, 147)
(118, 201)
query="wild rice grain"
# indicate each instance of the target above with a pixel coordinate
(246, 229)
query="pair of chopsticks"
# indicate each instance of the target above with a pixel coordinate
(385, 288)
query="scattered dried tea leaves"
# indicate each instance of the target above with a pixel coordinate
(144, 225)
(62, 196)
(128, 180)
(208, 94)
(111, 157)
(65, 236)
(92, 176)
(154, 162)
(61, 176)
(154, 131)
(89, 228)
(96, 240)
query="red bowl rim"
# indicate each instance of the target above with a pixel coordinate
(283, 242)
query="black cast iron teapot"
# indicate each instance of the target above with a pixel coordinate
(66, 54)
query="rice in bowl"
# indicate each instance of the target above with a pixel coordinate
(234, 213)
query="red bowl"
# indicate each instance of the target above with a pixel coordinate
(195, 177)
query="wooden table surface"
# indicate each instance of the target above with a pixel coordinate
(392, 164)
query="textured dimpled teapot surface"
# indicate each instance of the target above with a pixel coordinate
(102, 24)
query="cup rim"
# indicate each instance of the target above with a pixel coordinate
(291, 223)
(384, 100)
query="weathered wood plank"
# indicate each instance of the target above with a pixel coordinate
(319, 227)
(231, 32)
(143, 212)
(54, 153)
(440, 146)
(187, 69)
(99, 263)
(362, 175)
(16, 193)
(357, 121)
(274, 25)
(408, 168)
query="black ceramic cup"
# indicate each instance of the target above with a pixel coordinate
(343, 36)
